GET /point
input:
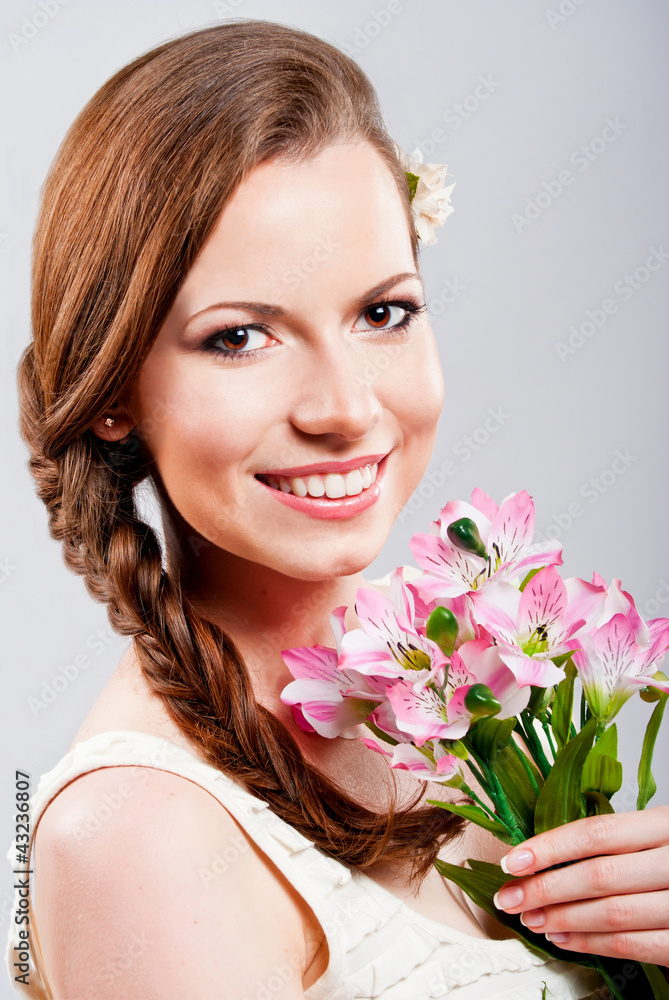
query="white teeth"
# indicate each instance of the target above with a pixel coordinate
(353, 483)
(315, 486)
(333, 485)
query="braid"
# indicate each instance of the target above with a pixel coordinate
(127, 206)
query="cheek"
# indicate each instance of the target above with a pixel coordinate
(201, 437)
(417, 395)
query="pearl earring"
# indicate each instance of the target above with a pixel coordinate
(110, 421)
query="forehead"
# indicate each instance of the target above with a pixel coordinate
(303, 226)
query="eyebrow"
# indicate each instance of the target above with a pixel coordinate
(267, 309)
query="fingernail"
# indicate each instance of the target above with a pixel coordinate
(533, 918)
(516, 861)
(557, 938)
(507, 899)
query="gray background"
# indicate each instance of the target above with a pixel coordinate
(535, 82)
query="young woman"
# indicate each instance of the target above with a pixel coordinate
(224, 243)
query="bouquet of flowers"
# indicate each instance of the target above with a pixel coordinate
(471, 669)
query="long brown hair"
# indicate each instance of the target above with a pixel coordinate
(136, 188)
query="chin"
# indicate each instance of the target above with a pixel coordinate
(327, 561)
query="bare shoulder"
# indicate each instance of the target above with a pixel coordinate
(146, 886)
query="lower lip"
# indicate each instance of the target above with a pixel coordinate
(330, 510)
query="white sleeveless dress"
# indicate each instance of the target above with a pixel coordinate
(379, 946)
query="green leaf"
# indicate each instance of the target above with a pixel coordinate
(647, 786)
(602, 772)
(560, 800)
(563, 705)
(412, 181)
(476, 815)
(533, 572)
(489, 737)
(481, 881)
(597, 804)
(657, 981)
(520, 792)
(560, 660)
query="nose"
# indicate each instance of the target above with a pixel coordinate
(332, 396)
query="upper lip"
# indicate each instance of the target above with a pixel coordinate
(322, 468)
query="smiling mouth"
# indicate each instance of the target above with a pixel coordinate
(328, 486)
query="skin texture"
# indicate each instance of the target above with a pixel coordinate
(316, 391)
(323, 385)
(614, 902)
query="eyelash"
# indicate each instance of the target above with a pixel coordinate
(412, 308)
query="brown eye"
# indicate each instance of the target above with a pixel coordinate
(234, 339)
(387, 316)
(377, 316)
(243, 340)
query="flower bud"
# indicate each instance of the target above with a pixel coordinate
(651, 694)
(457, 781)
(442, 628)
(455, 747)
(480, 701)
(465, 535)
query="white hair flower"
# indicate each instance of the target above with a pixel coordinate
(430, 199)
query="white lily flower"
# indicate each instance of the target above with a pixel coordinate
(430, 203)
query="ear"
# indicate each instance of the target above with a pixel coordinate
(122, 425)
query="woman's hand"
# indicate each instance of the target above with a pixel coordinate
(615, 903)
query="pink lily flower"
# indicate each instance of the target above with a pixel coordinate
(533, 626)
(389, 643)
(506, 533)
(613, 665)
(618, 601)
(317, 695)
(437, 766)
(426, 712)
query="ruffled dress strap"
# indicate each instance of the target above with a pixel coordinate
(378, 946)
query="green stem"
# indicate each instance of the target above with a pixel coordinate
(472, 795)
(614, 992)
(477, 773)
(523, 760)
(533, 744)
(546, 729)
(496, 793)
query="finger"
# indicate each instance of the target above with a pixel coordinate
(639, 946)
(644, 871)
(635, 911)
(617, 833)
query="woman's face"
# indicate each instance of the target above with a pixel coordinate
(297, 359)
